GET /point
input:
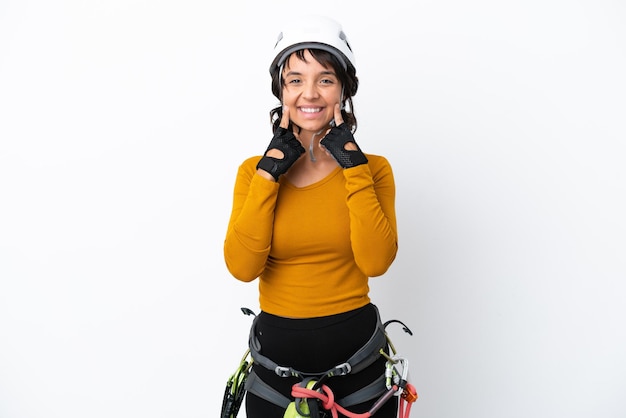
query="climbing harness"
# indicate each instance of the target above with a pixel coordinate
(312, 392)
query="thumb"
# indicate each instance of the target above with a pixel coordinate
(284, 121)
(338, 117)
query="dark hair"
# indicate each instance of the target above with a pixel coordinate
(347, 77)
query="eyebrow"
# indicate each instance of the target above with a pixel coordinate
(328, 72)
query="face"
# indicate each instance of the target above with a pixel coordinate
(311, 92)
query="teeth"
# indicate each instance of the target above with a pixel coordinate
(310, 109)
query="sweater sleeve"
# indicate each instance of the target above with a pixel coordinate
(249, 234)
(371, 204)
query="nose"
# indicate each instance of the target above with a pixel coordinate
(310, 91)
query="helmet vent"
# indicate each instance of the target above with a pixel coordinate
(280, 36)
(344, 38)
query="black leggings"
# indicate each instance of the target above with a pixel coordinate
(317, 345)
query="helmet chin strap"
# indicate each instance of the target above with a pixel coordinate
(280, 82)
(311, 153)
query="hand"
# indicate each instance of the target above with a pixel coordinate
(283, 151)
(340, 143)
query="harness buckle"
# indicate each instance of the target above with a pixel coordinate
(284, 371)
(342, 369)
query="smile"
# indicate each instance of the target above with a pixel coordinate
(311, 109)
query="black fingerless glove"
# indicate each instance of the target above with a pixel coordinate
(284, 141)
(335, 142)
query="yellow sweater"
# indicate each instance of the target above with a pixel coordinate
(313, 248)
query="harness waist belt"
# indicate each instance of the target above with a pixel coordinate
(363, 358)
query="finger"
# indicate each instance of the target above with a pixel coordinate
(324, 149)
(297, 135)
(338, 117)
(284, 121)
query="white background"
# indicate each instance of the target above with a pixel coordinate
(122, 123)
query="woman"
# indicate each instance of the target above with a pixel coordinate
(313, 218)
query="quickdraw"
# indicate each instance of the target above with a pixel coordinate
(235, 388)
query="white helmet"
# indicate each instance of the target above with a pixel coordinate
(317, 32)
